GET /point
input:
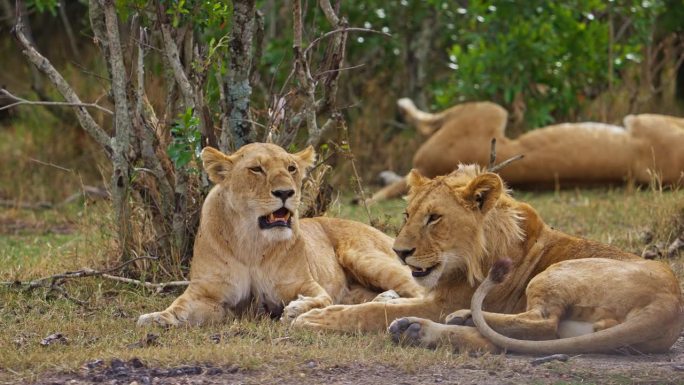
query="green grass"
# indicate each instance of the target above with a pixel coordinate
(106, 328)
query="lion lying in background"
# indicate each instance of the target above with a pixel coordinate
(569, 153)
(558, 286)
(252, 247)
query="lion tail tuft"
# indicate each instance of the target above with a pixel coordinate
(500, 269)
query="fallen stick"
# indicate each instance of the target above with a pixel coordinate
(54, 282)
(150, 285)
(553, 357)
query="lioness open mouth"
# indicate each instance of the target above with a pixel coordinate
(418, 272)
(279, 218)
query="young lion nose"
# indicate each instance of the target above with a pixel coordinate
(283, 194)
(405, 253)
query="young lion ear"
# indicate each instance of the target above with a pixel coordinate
(216, 164)
(306, 157)
(416, 179)
(484, 191)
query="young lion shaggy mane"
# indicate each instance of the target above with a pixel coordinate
(558, 285)
(252, 247)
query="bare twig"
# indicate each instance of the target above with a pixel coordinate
(338, 70)
(51, 165)
(44, 65)
(492, 159)
(173, 59)
(303, 73)
(66, 295)
(329, 12)
(150, 285)
(339, 30)
(67, 28)
(19, 101)
(505, 163)
(553, 357)
(54, 282)
(492, 154)
(40, 282)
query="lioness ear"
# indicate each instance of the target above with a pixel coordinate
(216, 164)
(415, 179)
(306, 157)
(483, 191)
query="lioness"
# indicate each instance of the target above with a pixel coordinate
(567, 153)
(252, 246)
(559, 286)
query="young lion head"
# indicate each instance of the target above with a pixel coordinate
(455, 224)
(260, 184)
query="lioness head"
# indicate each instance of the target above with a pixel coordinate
(451, 225)
(261, 183)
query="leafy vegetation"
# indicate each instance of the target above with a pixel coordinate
(551, 56)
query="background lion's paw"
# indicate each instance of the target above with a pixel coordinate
(386, 296)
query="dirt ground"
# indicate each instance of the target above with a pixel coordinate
(509, 369)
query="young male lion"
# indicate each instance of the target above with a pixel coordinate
(251, 246)
(559, 286)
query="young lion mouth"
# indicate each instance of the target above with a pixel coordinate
(279, 218)
(418, 272)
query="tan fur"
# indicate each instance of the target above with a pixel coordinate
(313, 264)
(459, 224)
(568, 153)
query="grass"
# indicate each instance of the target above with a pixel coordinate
(105, 329)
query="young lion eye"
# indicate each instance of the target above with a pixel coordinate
(292, 169)
(257, 170)
(433, 218)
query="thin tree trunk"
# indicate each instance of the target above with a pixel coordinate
(236, 83)
(121, 145)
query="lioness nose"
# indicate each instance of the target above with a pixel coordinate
(283, 194)
(405, 253)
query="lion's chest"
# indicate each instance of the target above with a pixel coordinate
(263, 292)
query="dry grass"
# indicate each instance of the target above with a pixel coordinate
(106, 329)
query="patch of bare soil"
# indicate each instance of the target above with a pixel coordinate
(509, 369)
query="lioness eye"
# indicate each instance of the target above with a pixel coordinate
(406, 216)
(292, 169)
(433, 218)
(257, 170)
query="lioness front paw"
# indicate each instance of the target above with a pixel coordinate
(329, 318)
(414, 331)
(160, 318)
(461, 317)
(295, 308)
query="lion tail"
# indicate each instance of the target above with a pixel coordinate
(426, 122)
(637, 328)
